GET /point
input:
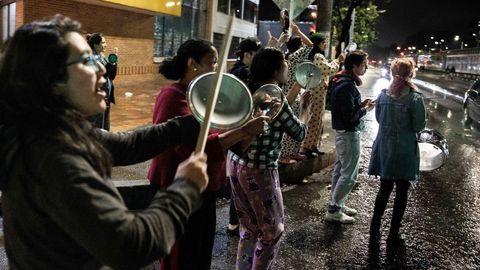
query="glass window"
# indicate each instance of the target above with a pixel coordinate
(171, 31)
(217, 42)
(8, 19)
(11, 14)
(236, 6)
(223, 6)
(250, 11)
(4, 23)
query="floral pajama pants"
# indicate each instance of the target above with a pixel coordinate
(259, 203)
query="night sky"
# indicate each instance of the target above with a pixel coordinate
(407, 17)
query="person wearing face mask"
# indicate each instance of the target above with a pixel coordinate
(60, 208)
(254, 173)
(400, 113)
(194, 58)
(98, 44)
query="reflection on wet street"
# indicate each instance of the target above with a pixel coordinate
(441, 224)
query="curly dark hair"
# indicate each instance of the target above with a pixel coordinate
(32, 65)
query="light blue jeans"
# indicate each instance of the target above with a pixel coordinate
(345, 173)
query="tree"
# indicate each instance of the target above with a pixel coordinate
(366, 14)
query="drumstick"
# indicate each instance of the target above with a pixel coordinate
(212, 95)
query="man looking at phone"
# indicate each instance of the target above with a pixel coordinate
(347, 119)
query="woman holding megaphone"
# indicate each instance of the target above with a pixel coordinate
(98, 44)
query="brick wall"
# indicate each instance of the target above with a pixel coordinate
(130, 32)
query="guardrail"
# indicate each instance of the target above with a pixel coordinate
(454, 75)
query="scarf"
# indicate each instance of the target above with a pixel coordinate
(398, 83)
(347, 73)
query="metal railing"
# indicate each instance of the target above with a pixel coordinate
(454, 75)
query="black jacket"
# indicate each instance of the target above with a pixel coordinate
(241, 71)
(347, 109)
(59, 213)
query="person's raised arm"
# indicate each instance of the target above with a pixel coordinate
(303, 37)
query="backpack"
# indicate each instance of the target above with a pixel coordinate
(332, 85)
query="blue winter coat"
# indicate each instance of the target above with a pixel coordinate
(395, 153)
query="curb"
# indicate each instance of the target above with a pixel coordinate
(295, 173)
(137, 194)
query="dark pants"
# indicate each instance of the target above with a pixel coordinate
(399, 206)
(194, 249)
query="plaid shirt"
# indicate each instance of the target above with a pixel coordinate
(265, 150)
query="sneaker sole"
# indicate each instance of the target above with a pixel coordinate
(340, 221)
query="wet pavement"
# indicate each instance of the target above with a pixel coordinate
(135, 98)
(441, 224)
(442, 221)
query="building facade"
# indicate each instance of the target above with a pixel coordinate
(206, 19)
(144, 31)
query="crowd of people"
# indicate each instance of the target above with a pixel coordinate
(62, 211)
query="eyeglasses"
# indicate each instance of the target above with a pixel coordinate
(88, 61)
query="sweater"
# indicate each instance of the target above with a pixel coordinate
(59, 213)
(172, 102)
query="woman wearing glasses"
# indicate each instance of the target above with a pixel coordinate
(60, 208)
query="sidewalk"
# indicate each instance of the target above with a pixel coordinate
(135, 97)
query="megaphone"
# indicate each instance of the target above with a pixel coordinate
(112, 58)
(308, 75)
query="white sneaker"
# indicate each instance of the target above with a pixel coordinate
(339, 216)
(349, 211)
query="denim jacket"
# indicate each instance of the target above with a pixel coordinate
(395, 153)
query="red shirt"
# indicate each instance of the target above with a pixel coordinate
(171, 102)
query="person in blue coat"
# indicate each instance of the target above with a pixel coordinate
(400, 112)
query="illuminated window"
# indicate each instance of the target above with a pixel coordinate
(171, 31)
